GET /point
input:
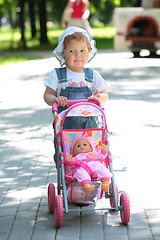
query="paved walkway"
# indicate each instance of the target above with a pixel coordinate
(26, 165)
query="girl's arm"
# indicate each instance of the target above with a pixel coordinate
(50, 96)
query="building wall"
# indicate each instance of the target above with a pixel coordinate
(123, 16)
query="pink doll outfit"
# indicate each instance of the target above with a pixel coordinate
(88, 165)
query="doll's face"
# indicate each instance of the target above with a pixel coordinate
(81, 146)
(78, 195)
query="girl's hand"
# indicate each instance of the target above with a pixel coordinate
(62, 101)
(96, 95)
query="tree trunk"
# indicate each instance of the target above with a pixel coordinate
(10, 17)
(31, 5)
(43, 21)
(21, 22)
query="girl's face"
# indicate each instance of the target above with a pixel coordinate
(76, 55)
(81, 146)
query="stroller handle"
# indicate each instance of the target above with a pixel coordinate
(74, 101)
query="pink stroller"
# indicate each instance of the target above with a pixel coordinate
(59, 204)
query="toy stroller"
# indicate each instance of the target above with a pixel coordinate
(65, 137)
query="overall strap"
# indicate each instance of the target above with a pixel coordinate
(88, 74)
(61, 74)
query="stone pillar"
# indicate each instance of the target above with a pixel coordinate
(147, 3)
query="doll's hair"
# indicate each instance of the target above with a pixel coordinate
(78, 36)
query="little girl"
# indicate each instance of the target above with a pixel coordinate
(75, 49)
(85, 163)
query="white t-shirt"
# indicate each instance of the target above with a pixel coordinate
(75, 79)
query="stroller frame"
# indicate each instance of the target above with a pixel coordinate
(59, 205)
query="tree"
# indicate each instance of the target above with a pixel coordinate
(107, 12)
(31, 9)
(20, 10)
(58, 7)
(43, 21)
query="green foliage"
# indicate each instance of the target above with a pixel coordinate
(107, 12)
(7, 6)
(16, 58)
(103, 9)
(57, 10)
(127, 3)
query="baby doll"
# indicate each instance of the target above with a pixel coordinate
(78, 195)
(85, 161)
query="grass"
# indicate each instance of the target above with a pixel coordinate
(104, 37)
(10, 42)
(16, 58)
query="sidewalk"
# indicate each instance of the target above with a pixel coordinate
(26, 150)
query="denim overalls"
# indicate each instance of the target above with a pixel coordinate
(75, 93)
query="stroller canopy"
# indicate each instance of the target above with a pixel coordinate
(83, 109)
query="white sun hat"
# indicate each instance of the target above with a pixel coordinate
(58, 52)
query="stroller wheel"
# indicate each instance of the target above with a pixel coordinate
(112, 200)
(125, 211)
(58, 211)
(51, 197)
